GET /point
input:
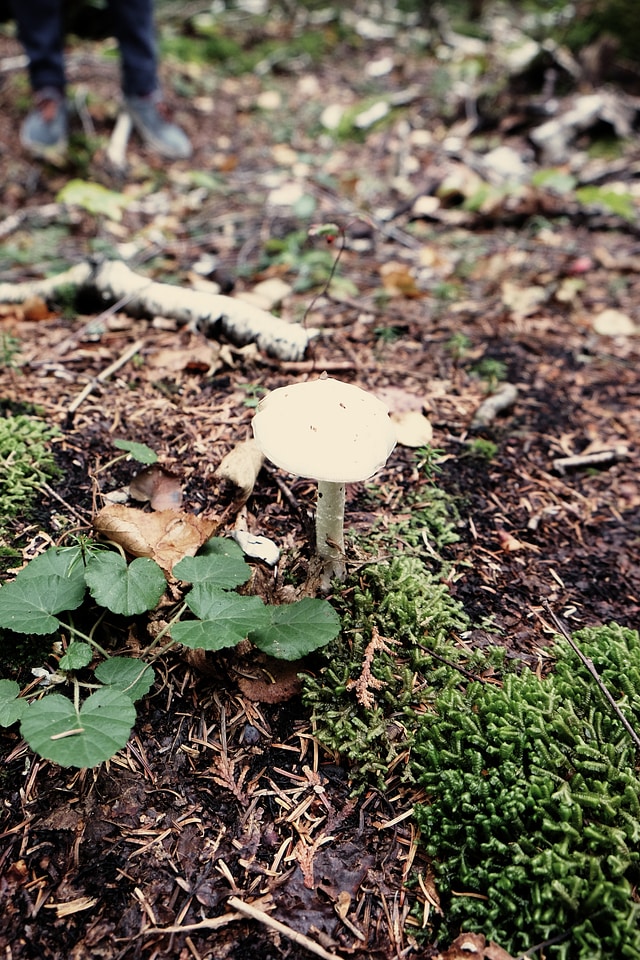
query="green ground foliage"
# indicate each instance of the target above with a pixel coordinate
(26, 462)
(534, 803)
(534, 806)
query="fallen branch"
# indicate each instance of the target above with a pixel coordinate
(214, 315)
(254, 913)
(497, 403)
(603, 458)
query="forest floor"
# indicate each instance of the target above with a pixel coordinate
(440, 298)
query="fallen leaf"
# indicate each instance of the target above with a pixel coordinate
(35, 308)
(241, 467)
(166, 535)
(159, 486)
(614, 323)
(522, 301)
(398, 280)
(280, 682)
(200, 356)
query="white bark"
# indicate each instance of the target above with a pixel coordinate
(213, 314)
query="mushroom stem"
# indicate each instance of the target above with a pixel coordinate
(330, 528)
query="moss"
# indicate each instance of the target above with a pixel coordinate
(403, 602)
(26, 462)
(533, 804)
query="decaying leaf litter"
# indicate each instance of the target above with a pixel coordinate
(475, 266)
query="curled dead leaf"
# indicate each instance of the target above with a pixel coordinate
(473, 946)
(279, 683)
(157, 485)
(166, 535)
(398, 280)
(241, 467)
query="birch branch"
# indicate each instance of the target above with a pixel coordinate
(214, 315)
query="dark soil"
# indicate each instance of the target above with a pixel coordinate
(217, 794)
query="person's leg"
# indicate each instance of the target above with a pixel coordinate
(135, 31)
(40, 33)
(40, 30)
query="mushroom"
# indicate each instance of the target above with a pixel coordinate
(332, 432)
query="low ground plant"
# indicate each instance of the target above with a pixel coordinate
(532, 816)
(65, 587)
(26, 462)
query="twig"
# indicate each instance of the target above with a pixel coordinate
(254, 913)
(600, 459)
(85, 521)
(117, 149)
(497, 403)
(214, 924)
(594, 673)
(454, 666)
(131, 350)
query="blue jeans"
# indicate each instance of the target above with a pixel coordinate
(40, 31)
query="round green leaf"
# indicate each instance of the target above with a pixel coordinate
(220, 563)
(54, 729)
(78, 655)
(11, 709)
(126, 674)
(225, 619)
(137, 451)
(125, 589)
(296, 629)
(29, 604)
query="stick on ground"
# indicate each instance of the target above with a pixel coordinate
(254, 913)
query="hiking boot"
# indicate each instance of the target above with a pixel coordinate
(149, 118)
(44, 132)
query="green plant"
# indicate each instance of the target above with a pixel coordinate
(458, 345)
(253, 393)
(482, 449)
(403, 605)
(43, 601)
(312, 265)
(491, 370)
(428, 459)
(9, 349)
(533, 815)
(26, 462)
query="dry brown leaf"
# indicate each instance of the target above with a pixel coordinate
(166, 536)
(35, 308)
(157, 485)
(241, 467)
(522, 301)
(200, 356)
(284, 683)
(398, 280)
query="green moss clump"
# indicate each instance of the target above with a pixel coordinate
(26, 462)
(404, 603)
(534, 806)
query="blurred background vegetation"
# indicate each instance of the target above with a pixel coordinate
(575, 24)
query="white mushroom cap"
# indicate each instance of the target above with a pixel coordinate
(325, 429)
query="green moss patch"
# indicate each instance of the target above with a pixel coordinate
(26, 462)
(534, 811)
